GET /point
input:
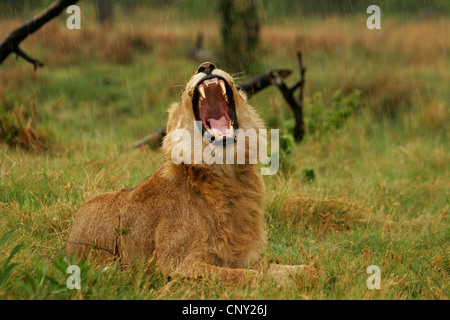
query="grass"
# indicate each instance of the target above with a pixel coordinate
(373, 190)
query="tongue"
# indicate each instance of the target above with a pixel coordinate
(220, 126)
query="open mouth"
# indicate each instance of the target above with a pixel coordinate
(213, 104)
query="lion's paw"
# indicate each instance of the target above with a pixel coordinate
(285, 275)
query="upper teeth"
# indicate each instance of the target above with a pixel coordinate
(208, 82)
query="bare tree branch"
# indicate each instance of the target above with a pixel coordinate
(25, 56)
(11, 43)
(295, 104)
(262, 81)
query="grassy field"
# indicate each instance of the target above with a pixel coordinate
(370, 189)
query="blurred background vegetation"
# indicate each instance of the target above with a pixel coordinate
(367, 185)
(272, 9)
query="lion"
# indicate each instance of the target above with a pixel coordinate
(195, 219)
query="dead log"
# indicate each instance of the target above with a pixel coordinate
(11, 43)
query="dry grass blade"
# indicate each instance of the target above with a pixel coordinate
(25, 137)
(328, 214)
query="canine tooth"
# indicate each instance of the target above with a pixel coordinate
(216, 135)
(201, 89)
(230, 132)
(222, 86)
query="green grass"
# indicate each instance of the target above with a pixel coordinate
(380, 192)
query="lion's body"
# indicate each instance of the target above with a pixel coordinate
(178, 214)
(194, 219)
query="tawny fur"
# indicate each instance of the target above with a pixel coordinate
(194, 219)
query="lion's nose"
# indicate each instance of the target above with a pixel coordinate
(206, 67)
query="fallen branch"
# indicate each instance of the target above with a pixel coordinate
(11, 43)
(152, 139)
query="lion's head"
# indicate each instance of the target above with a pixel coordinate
(213, 107)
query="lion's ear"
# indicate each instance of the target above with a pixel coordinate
(182, 90)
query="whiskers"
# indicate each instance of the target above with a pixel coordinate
(240, 75)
